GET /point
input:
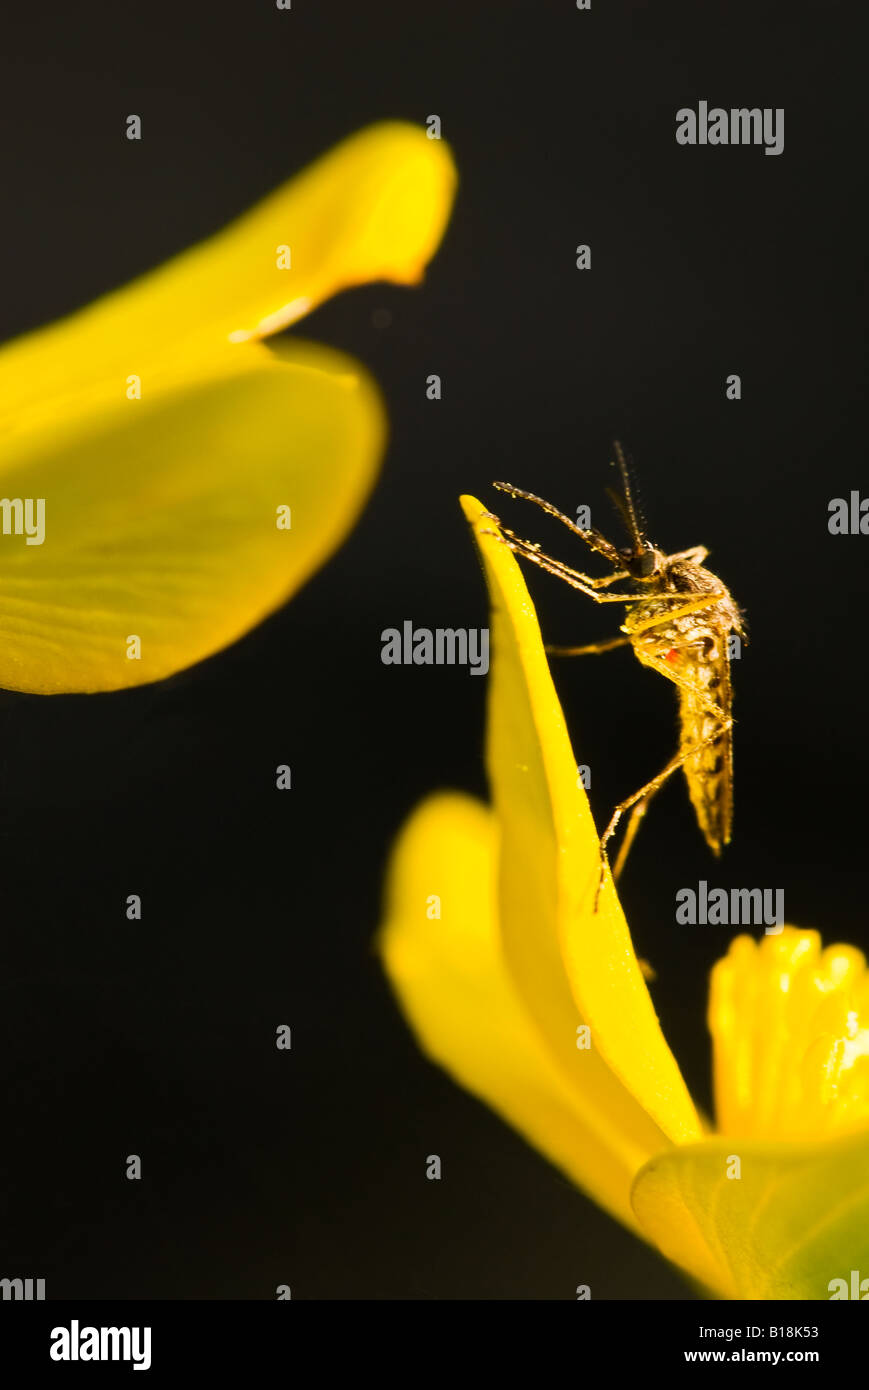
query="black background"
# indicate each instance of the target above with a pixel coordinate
(157, 1037)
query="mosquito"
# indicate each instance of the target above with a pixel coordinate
(679, 621)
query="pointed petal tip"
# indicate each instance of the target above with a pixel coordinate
(579, 960)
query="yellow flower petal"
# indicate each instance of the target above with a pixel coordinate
(566, 959)
(373, 208)
(161, 508)
(796, 1217)
(454, 986)
(161, 515)
(790, 1026)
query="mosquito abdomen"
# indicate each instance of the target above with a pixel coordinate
(709, 771)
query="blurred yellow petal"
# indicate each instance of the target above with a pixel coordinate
(161, 515)
(790, 1026)
(795, 1218)
(373, 208)
(455, 989)
(568, 962)
(161, 440)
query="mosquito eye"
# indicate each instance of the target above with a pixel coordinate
(644, 565)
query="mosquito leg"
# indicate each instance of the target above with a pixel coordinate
(583, 583)
(541, 502)
(591, 649)
(664, 668)
(545, 506)
(656, 782)
(697, 553)
(591, 536)
(648, 791)
(531, 548)
(695, 605)
(546, 562)
(630, 834)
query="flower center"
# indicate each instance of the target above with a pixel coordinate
(790, 1030)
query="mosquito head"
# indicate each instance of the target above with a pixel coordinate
(642, 562)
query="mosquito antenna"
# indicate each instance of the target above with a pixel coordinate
(619, 503)
(626, 504)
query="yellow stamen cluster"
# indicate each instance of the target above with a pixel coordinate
(790, 1029)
